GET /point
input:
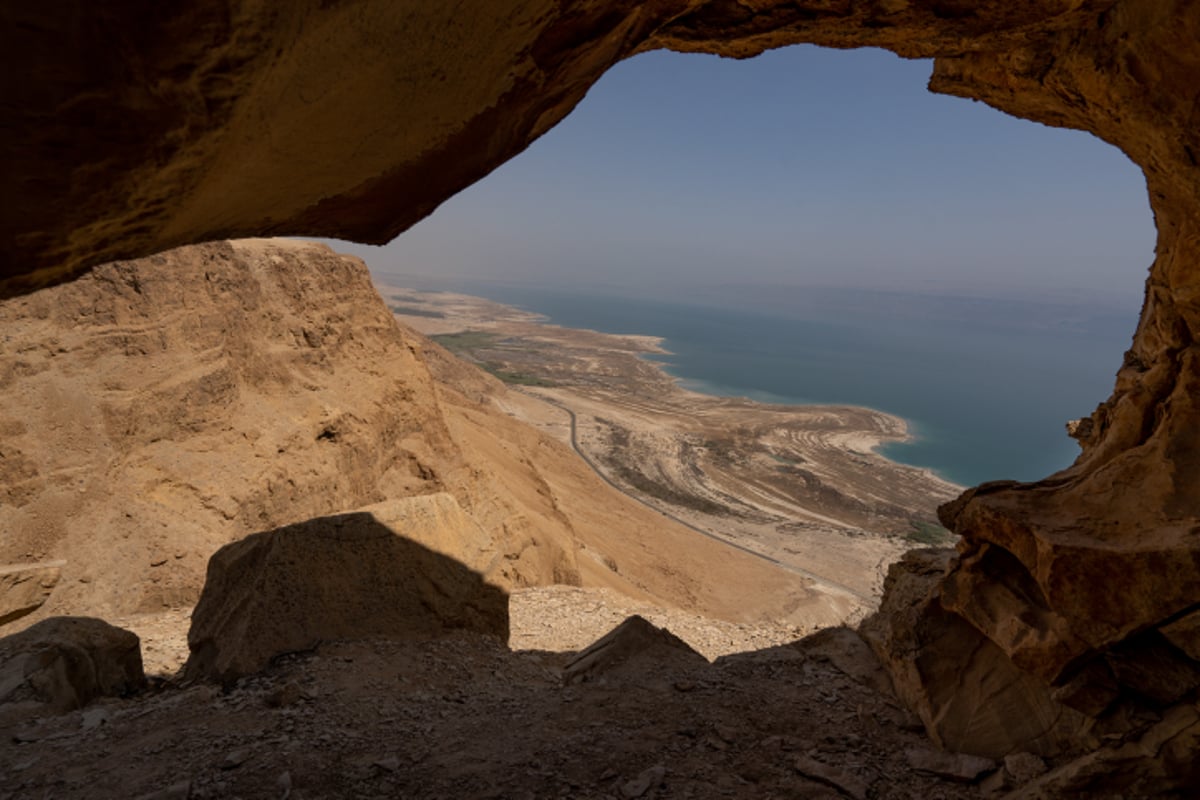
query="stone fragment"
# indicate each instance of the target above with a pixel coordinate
(632, 646)
(64, 663)
(959, 767)
(25, 587)
(1024, 767)
(344, 577)
(845, 782)
(644, 782)
(387, 763)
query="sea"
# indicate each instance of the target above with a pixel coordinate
(985, 385)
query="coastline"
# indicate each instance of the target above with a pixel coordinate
(802, 485)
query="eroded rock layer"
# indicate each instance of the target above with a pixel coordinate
(158, 409)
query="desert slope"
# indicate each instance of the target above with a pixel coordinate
(161, 408)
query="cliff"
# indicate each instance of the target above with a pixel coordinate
(159, 409)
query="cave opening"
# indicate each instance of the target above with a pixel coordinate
(813, 225)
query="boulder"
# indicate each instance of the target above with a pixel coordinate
(25, 587)
(409, 568)
(969, 694)
(635, 648)
(64, 663)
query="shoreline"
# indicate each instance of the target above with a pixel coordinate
(803, 485)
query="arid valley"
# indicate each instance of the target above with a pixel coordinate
(800, 486)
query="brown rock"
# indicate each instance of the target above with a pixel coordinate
(1184, 633)
(632, 648)
(64, 663)
(954, 766)
(351, 576)
(1024, 767)
(968, 693)
(25, 587)
(1160, 763)
(845, 782)
(847, 651)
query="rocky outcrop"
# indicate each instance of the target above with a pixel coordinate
(633, 650)
(25, 587)
(970, 696)
(363, 575)
(64, 663)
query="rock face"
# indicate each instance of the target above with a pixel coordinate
(64, 663)
(25, 587)
(159, 409)
(363, 575)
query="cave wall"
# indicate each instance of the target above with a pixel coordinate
(133, 127)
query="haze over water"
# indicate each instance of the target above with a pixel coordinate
(985, 385)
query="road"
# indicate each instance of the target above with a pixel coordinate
(821, 582)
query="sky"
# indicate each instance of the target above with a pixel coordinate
(688, 174)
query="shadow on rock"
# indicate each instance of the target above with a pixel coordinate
(340, 577)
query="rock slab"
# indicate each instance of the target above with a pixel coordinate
(25, 587)
(349, 576)
(64, 663)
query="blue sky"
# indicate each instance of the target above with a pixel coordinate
(802, 167)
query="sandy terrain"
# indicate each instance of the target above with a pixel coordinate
(799, 485)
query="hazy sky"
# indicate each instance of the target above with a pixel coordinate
(804, 166)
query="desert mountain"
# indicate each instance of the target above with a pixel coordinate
(159, 409)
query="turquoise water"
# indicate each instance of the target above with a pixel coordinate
(985, 385)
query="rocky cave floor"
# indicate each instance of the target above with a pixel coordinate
(464, 716)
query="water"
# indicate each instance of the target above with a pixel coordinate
(986, 386)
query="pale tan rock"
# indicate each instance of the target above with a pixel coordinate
(25, 587)
(350, 576)
(64, 663)
(847, 651)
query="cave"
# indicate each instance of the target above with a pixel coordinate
(133, 128)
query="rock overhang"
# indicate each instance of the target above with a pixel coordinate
(133, 128)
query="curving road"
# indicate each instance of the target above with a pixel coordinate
(822, 582)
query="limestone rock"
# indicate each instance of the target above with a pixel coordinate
(632, 648)
(64, 663)
(25, 587)
(360, 575)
